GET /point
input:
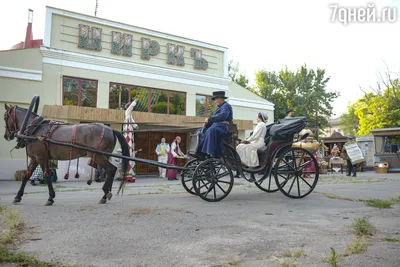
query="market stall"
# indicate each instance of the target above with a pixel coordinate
(387, 148)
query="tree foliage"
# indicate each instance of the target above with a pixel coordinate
(349, 122)
(380, 109)
(235, 76)
(303, 90)
(377, 109)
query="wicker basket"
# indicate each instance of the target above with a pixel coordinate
(19, 175)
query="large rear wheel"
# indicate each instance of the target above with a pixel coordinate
(296, 172)
(267, 183)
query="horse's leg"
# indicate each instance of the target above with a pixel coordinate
(46, 175)
(31, 168)
(110, 173)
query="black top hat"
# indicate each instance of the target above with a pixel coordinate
(218, 94)
(289, 110)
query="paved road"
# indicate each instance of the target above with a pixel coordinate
(156, 223)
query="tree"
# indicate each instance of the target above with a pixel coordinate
(349, 121)
(303, 90)
(239, 78)
(377, 109)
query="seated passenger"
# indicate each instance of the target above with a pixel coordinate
(211, 143)
(247, 150)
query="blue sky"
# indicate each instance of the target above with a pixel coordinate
(259, 34)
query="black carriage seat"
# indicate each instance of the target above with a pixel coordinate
(282, 130)
(228, 138)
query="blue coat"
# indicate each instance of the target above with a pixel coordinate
(212, 142)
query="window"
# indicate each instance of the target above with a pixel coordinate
(149, 99)
(79, 92)
(177, 103)
(205, 107)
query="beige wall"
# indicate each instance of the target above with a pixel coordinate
(19, 91)
(65, 32)
(22, 58)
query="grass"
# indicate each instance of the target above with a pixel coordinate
(333, 196)
(234, 262)
(393, 240)
(13, 219)
(300, 253)
(286, 263)
(378, 203)
(13, 222)
(362, 227)
(287, 254)
(64, 190)
(358, 246)
(333, 258)
(341, 180)
(375, 203)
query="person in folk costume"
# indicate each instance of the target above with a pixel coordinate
(247, 149)
(173, 155)
(128, 128)
(216, 127)
(162, 151)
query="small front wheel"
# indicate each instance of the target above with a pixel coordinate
(213, 180)
(187, 176)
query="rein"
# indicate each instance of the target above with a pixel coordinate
(13, 118)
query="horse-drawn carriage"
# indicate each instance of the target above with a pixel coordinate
(210, 178)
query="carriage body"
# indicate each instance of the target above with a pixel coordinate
(279, 159)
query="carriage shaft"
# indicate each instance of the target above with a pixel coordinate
(93, 150)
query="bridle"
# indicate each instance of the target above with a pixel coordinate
(11, 114)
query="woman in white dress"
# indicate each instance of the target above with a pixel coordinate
(247, 149)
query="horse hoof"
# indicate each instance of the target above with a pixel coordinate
(103, 201)
(89, 182)
(49, 203)
(16, 200)
(109, 195)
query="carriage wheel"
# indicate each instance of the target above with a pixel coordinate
(268, 184)
(187, 176)
(213, 180)
(296, 172)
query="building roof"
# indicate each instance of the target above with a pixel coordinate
(68, 13)
(240, 96)
(386, 131)
(336, 137)
(29, 41)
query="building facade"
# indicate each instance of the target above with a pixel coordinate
(88, 68)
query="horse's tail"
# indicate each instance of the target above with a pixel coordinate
(125, 163)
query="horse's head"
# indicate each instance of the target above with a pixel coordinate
(11, 121)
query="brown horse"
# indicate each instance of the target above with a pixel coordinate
(93, 135)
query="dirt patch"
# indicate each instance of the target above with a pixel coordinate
(141, 211)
